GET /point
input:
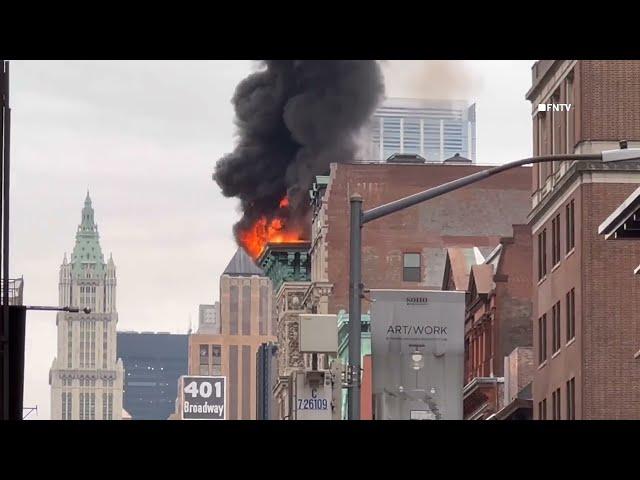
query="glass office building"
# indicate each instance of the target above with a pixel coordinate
(433, 129)
(153, 362)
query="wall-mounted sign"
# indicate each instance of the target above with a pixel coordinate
(313, 400)
(417, 346)
(203, 398)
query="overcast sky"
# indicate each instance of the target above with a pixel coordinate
(143, 137)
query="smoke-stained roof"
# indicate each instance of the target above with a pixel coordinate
(242, 264)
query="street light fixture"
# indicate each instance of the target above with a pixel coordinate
(85, 310)
(417, 360)
(360, 217)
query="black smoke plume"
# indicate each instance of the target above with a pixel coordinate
(294, 117)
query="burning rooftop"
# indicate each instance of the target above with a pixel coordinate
(294, 117)
(278, 229)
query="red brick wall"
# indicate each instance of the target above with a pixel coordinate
(568, 362)
(610, 306)
(610, 96)
(606, 305)
(478, 215)
(513, 313)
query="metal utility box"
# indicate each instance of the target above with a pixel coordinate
(318, 333)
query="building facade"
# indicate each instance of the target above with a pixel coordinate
(433, 129)
(246, 322)
(153, 363)
(497, 318)
(86, 375)
(585, 327)
(407, 250)
(498, 314)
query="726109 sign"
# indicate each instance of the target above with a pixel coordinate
(204, 398)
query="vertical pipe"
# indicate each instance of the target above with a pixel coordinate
(355, 291)
(4, 337)
(5, 235)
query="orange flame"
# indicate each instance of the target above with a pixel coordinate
(265, 231)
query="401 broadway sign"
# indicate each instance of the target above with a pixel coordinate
(203, 398)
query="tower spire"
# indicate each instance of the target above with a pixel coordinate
(87, 224)
(87, 249)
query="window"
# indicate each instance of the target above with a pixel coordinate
(411, 267)
(556, 327)
(542, 254)
(92, 408)
(571, 399)
(542, 410)
(64, 405)
(104, 345)
(204, 359)
(540, 130)
(69, 344)
(570, 226)
(552, 122)
(91, 362)
(82, 343)
(555, 405)
(204, 354)
(555, 240)
(110, 407)
(570, 113)
(571, 314)
(542, 338)
(216, 359)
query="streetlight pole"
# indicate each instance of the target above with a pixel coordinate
(5, 123)
(359, 218)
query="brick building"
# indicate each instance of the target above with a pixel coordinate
(517, 402)
(585, 326)
(246, 322)
(498, 316)
(408, 249)
(457, 266)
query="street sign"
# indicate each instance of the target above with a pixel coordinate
(203, 398)
(313, 402)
